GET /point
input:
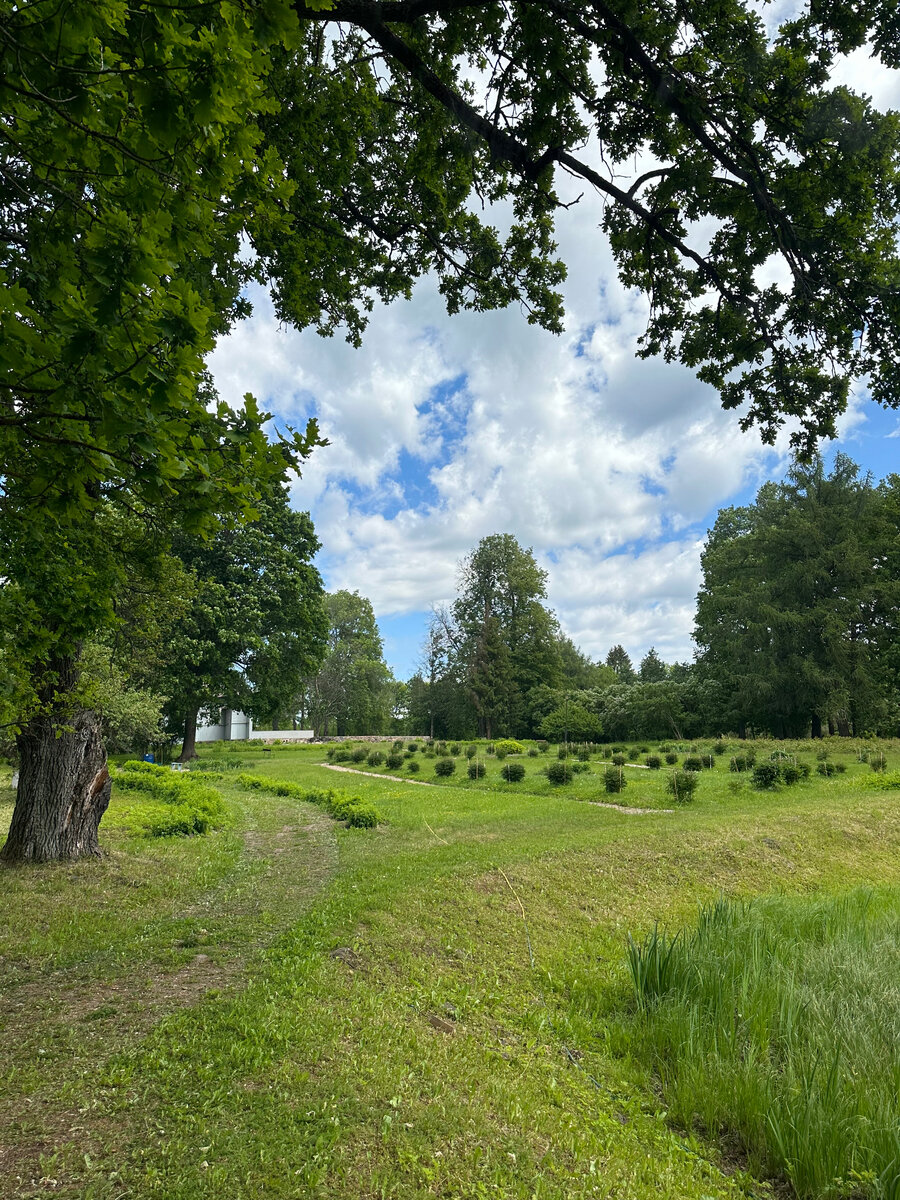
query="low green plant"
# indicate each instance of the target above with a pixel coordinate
(394, 761)
(360, 754)
(579, 767)
(653, 761)
(560, 771)
(618, 760)
(513, 772)
(533, 752)
(444, 767)
(376, 758)
(182, 805)
(510, 745)
(671, 758)
(543, 746)
(454, 748)
(681, 786)
(352, 809)
(413, 766)
(692, 762)
(766, 775)
(477, 769)
(471, 750)
(614, 779)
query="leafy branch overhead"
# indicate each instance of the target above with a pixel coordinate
(761, 220)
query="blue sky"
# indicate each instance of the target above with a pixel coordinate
(444, 430)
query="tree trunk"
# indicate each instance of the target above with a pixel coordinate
(189, 746)
(64, 788)
(816, 725)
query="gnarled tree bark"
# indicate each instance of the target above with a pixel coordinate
(64, 788)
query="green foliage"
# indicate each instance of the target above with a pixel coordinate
(508, 746)
(681, 786)
(375, 758)
(444, 767)
(693, 762)
(477, 769)
(185, 806)
(471, 751)
(393, 761)
(543, 746)
(769, 1018)
(352, 809)
(614, 779)
(513, 772)
(766, 775)
(559, 771)
(359, 754)
(653, 761)
(618, 760)
(413, 766)
(571, 720)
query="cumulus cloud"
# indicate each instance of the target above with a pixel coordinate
(444, 430)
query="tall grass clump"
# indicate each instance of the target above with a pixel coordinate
(778, 1021)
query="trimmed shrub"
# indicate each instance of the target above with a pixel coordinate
(681, 786)
(513, 772)
(477, 769)
(607, 751)
(471, 750)
(560, 771)
(454, 748)
(398, 744)
(877, 762)
(500, 753)
(393, 762)
(693, 762)
(766, 775)
(510, 745)
(342, 756)
(543, 746)
(719, 748)
(584, 755)
(614, 779)
(618, 760)
(791, 773)
(181, 806)
(413, 766)
(579, 767)
(412, 747)
(376, 758)
(635, 753)
(533, 751)
(489, 748)
(360, 754)
(738, 763)
(654, 762)
(444, 767)
(671, 758)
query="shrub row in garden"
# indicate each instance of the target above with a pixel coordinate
(180, 804)
(358, 813)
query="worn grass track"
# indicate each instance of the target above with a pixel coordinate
(465, 1042)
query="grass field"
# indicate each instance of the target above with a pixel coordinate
(441, 1006)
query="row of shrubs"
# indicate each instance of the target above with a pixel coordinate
(358, 813)
(180, 805)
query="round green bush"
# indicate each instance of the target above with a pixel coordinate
(360, 754)
(766, 775)
(607, 751)
(738, 763)
(543, 746)
(471, 751)
(719, 748)
(562, 751)
(412, 747)
(500, 753)
(445, 766)
(398, 744)
(618, 760)
(681, 785)
(510, 745)
(693, 762)
(635, 753)
(791, 773)
(584, 755)
(375, 759)
(533, 752)
(654, 762)
(671, 758)
(477, 769)
(413, 766)
(614, 779)
(579, 767)
(342, 756)
(559, 771)
(513, 772)
(394, 761)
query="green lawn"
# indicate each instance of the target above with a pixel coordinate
(177, 1024)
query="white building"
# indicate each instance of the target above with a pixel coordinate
(234, 726)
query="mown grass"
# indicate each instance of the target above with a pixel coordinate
(778, 1021)
(470, 1037)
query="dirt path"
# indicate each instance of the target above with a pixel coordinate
(284, 865)
(622, 808)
